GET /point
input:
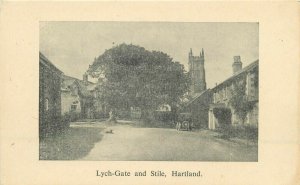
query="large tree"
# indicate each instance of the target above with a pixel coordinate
(131, 76)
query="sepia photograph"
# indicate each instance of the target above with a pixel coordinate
(139, 93)
(149, 91)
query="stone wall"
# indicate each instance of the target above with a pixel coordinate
(49, 100)
(199, 109)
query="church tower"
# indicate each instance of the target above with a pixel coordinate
(197, 72)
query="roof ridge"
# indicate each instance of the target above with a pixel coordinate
(239, 72)
(196, 97)
(43, 57)
(74, 78)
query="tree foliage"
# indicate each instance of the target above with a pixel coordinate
(131, 76)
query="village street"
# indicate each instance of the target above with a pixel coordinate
(138, 81)
(129, 142)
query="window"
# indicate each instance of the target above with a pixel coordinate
(73, 107)
(46, 104)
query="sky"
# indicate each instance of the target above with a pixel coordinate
(72, 46)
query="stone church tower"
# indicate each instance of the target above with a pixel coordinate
(197, 71)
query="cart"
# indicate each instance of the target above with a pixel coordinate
(184, 122)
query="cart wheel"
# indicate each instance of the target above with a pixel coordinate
(185, 125)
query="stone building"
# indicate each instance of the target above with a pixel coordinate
(197, 72)
(70, 100)
(221, 111)
(49, 97)
(80, 97)
(198, 105)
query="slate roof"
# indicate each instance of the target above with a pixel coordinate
(84, 88)
(194, 98)
(245, 69)
(45, 61)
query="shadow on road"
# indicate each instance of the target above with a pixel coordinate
(74, 143)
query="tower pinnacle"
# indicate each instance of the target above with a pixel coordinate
(191, 52)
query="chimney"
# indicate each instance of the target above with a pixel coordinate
(85, 78)
(237, 64)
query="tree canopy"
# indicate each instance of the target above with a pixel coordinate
(131, 76)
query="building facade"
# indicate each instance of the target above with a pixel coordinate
(80, 98)
(49, 97)
(70, 100)
(243, 83)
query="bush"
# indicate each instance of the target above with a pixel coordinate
(251, 132)
(163, 116)
(123, 114)
(65, 120)
(101, 115)
(74, 116)
(239, 131)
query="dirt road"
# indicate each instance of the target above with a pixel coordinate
(161, 144)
